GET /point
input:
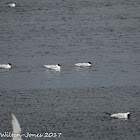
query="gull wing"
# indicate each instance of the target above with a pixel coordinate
(16, 127)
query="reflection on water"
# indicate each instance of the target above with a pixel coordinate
(4, 70)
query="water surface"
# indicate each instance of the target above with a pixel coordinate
(74, 100)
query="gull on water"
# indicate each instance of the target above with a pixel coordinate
(12, 4)
(83, 64)
(54, 67)
(120, 115)
(5, 66)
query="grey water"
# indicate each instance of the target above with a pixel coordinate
(73, 101)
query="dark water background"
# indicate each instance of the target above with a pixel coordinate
(72, 101)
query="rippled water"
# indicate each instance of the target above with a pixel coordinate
(78, 114)
(50, 32)
(74, 100)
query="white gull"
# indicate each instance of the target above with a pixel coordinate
(83, 64)
(120, 115)
(5, 66)
(54, 67)
(12, 4)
